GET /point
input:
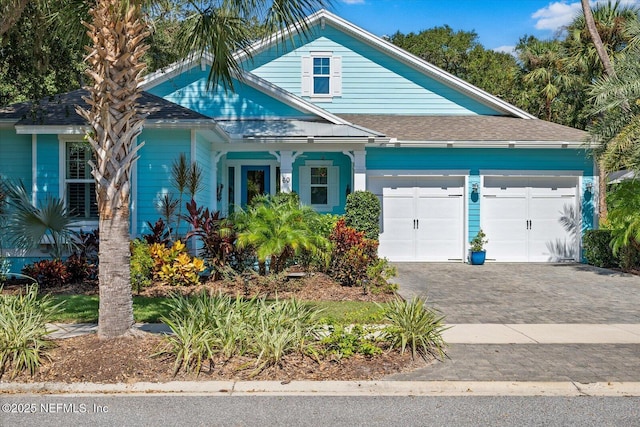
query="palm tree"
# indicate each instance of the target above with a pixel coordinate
(612, 21)
(546, 66)
(117, 32)
(279, 228)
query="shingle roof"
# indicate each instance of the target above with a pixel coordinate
(291, 128)
(60, 110)
(466, 128)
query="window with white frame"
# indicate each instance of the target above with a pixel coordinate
(80, 186)
(319, 185)
(322, 75)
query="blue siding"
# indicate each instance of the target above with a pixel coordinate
(48, 173)
(15, 156)
(189, 89)
(340, 160)
(475, 159)
(474, 207)
(203, 159)
(372, 81)
(162, 148)
(497, 159)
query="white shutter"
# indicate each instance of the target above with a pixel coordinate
(333, 181)
(336, 76)
(304, 184)
(307, 76)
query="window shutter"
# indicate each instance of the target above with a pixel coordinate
(336, 76)
(307, 76)
(333, 182)
(304, 185)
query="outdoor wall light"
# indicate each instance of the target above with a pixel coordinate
(589, 187)
(474, 187)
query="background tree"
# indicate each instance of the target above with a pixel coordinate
(460, 53)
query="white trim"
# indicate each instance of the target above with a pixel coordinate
(393, 142)
(392, 173)
(532, 173)
(34, 169)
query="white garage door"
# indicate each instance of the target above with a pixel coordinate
(422, 217)
(528, 219)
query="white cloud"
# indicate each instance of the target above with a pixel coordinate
(556, 15)
(560, 13)
(505, 49)
(353, 1)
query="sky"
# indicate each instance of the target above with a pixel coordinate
(498, 23)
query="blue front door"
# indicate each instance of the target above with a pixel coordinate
(255, 181)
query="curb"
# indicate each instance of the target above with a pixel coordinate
(337, 388)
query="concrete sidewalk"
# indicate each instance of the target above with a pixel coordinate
(475, 333)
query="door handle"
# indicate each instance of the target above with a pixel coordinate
(417, 223)
(414, 224)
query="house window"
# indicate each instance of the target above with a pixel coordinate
(321, 75)
(80, 186)
(318, 185)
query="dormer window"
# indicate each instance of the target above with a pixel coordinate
(321, 75)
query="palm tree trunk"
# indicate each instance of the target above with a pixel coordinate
(597, 41)
(611, 73)
(115, 66)
(116, 308)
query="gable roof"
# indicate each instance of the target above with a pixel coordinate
(324, 17)
(59, 110)
(461, 130)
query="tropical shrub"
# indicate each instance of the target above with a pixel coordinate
(216, 235)
(278, 229)
(379, 275)
(48, 273)
(158, 233)
(624, 220)
(362, 212)
(352, 254)
(413, 325)
(87, 248)
(78, 268)
(597, 248)
(23, 332)
(209, 325)
(345, 342)
(174, 265)
(141, 264)
(28, 226)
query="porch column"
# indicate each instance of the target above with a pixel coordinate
(213, 180)
(359, 171)
(286, 171)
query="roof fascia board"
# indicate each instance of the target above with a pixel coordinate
(487, 144)
(53, 130)
(162, 75)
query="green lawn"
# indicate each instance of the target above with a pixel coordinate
(84, 308)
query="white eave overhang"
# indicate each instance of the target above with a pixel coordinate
(393, 142)
(79, 130)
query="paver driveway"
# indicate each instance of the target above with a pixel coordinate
(523, 293)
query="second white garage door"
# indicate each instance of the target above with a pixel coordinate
(525, 218)
(422, 217)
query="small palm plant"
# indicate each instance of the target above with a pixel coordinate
(412, 324)
(478, 242)
(279, 228)
(29, 225)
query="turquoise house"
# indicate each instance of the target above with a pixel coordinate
(338, 111)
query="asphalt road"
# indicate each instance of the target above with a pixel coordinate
(163, 410)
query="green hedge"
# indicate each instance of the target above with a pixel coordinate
(598, 251)
(597, 248)
(362, 212)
